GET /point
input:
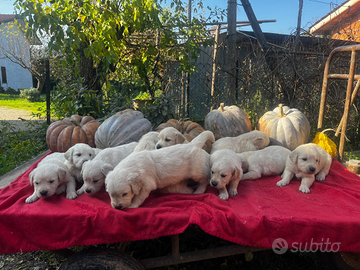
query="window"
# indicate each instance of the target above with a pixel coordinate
(3, 75)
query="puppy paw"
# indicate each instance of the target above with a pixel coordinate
(233, 192)
(224, 197)
(71, 195)
(320, 177)
(282, 183)
(80, 191)
(304, 189)
(31, 199)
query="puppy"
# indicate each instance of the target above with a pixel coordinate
(307, 162)
(51, 176)
(225, 170)
(166, 170)
(94, 171)
(75, 157)
(268, 161)
(148, 141)
(250, 141)
(170, 136)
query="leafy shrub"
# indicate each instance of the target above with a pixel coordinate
(17, 147)
(2, 90)
(11, 91)
(32, 94)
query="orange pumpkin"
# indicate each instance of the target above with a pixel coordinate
(63, 134)
(188, 128)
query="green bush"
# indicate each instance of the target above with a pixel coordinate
(2, 90)
(17, 147)
(11, 91)
(32, 94)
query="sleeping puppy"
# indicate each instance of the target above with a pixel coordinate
(75, 157)
(307, 162)
(148, 141)
(165, 170)
(225, 170)
(94, 171)
(170, 136)
(51, 176)
(268, 161)
(250, 141)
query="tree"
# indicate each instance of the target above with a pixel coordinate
(98, 37)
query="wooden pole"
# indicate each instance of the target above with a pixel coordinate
(231, 52)
(214, 92)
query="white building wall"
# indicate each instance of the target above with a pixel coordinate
(17, 76)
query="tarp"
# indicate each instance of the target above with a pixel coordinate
(327, 218)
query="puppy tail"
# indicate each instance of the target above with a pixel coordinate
(201, 139)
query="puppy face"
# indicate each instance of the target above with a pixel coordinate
(122, 191)
(307, 160)
(94, 174)
(169, 136)
(46, 180)
(79, 153)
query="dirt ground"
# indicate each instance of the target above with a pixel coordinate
(15, 117)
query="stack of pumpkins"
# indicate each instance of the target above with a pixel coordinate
(288, 126)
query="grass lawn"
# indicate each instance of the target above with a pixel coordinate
(16, 102)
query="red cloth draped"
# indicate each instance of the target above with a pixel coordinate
(259, 214)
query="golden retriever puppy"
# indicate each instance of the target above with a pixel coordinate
(94, 171)
(265, 162)
(170, 136)
(166, 170)
(148, 141)
(75, 157)
(250, 141)
(225, 170)
(307, 162)
(51, 176)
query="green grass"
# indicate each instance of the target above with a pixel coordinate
(16, 102)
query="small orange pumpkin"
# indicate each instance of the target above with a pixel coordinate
(63, 134)
(227, 121)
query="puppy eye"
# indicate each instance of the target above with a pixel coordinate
(317, 160)
(212, 172)
(304, 159)
(95, 181)
(223, 175)
(79, 155)
(51, 181)
(167, 140)
(36, 183)
(90, 155)
(124, 194)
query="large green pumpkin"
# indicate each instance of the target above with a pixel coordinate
(288, 126)
(227, 121)
(123, 127)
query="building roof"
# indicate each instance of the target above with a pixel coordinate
(343, 11)
(7, 17)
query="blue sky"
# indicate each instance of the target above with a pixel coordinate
(283, 11)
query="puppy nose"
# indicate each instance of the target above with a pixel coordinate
(88, 190)
(43, 192)
(158, 146)
(214, 184)
(118, 207)
(312, 169)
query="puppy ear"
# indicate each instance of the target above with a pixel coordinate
(135, 186)
(237, 173)
(179, 138)
(259, 143)
(68, 154)
(31, 177)
(106, 168)
(293, 156)
(61, 174)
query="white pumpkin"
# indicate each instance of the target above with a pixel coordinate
(288, 126)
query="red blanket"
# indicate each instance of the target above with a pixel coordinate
(327, 218)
